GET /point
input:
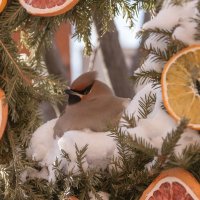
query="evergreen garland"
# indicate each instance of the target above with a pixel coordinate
(26, 86)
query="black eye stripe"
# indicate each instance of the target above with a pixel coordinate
(85, 91)
(73, 99)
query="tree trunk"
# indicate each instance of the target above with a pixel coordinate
(57, 60)
(114, 59)
(140, 51)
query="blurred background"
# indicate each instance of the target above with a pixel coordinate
(115, 54)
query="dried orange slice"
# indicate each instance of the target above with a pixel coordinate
(173, 184)
(48, 7)
(2, 5)
(181, 86)
(3, 113)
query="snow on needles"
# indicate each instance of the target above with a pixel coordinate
(45, 149)
(177, 19)
(180, 19)
(101, 146)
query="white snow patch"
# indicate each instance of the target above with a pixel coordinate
(44, 149)
(132, 108)
(185, 31)
(101, 146)
(170, 16)
(103, 195)
(154, 42)
(179, 19)
(158, 124)
(99, 151)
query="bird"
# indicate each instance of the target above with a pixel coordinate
(91, 105)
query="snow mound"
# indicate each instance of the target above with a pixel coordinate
(101, 146)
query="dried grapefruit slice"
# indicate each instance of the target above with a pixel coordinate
(173, 184)
(3, 112)
(181, 86)
(2, 5)
(48, 7)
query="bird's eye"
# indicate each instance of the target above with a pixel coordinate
(87, 89)
(84, 91)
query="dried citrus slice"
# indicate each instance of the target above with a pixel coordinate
(3, 112)
(48, 7)
(2, 5)
(181, 86)
(173, 184)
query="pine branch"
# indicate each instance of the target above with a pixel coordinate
(146, 76)
(129, 176)
(129, 121)
(168, 146)
(190, 156)
(14, 63)
(157, 54)
(13, 16)
(124, 152)
(178, 2)
(80, 154)
(157, 33)
(173, 46)
(80, 16)
(4, 177)
(90, 178)
(128, 173)
(16, 189)
(170, 141)
(140, 144)
(135, 149)
(145, 105)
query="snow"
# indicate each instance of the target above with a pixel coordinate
(158, 124)
(99, 151)
(170, 16)
(42, 143)
(149, 64)
(177, 19)
(185, 31)
(44, 149)
(154, 42)
(103, 195)
(101, 146)
(132, 108)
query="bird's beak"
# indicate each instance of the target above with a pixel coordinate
(71, 92)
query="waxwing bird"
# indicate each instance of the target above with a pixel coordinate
(91, 105)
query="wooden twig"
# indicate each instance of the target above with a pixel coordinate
(93, 57)
(27, 80)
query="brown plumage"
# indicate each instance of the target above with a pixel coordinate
(91, 105)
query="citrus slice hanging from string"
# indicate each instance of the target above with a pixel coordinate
(2, 5)
(3, 113)
(181, 86)
(48, 7)
(175, 183)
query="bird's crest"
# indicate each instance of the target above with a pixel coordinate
(84, 81)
